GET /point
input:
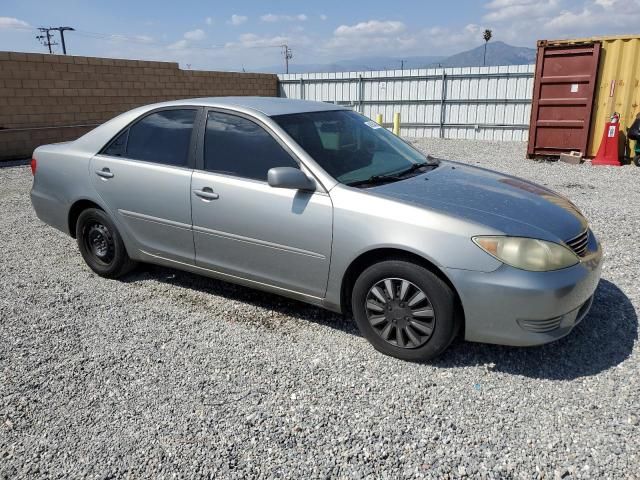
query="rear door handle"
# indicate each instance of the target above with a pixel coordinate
(104, 173)
(207, 194)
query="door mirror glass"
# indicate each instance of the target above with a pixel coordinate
(289, 177)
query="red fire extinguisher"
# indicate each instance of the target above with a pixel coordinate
(608, 151)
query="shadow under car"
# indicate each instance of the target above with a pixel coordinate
(604, 339)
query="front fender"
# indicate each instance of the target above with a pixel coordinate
(363, 223)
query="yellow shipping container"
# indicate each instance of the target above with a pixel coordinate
(618, 83)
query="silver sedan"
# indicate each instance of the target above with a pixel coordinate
(318, 203)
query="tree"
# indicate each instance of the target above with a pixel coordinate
(487, 36)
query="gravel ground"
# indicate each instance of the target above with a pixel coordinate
(167, 374)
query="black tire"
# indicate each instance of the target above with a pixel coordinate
(636, 160)
(101, 245)
(399, 316)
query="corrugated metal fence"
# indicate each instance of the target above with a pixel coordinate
(484, 103)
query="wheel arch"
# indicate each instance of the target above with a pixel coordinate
(76, 209)
(370, 257)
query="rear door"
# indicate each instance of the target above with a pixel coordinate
(144, 178)
(244, 227)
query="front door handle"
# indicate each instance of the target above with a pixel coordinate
(104, 173)
(207, 194)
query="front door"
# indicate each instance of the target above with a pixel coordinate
(244, 227)
(144, 178)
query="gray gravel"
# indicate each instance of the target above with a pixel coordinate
(167, 374)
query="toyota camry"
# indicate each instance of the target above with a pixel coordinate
(315, 202)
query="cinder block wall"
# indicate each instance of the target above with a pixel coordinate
(54, 98)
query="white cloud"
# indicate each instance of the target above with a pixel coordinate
(568, 20)
(143, 38)
(372, 27)
(13, 23)
(208, 21)
(251, 40)
(179, 45)
(373, 36)
(521, 22)
(118, 39)
(195, 35)
(323, 17)
(493, 4)
(394, 38)
(597, 18)
(271, 18)
(440, 39)
(380, 36)
(504, 10)
(236, 20)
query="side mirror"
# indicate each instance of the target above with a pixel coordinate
(289, 177)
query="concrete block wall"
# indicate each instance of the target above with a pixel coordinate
(55, 98)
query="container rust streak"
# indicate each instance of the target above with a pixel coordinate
(563, 98)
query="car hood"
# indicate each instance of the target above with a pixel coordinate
(508, 204)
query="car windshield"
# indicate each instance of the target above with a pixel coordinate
(353, 149)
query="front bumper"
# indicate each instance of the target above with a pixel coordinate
(516, 307)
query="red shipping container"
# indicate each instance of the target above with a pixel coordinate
(563, 97)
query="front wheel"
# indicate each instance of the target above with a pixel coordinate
(404, 310)
(101, 245)
(636, 160)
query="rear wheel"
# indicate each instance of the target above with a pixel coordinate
(101, 245)
(404, 310)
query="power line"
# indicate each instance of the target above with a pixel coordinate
(147, 41)
(46, 39)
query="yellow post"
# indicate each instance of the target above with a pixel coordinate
(379, 119)
(396, 123)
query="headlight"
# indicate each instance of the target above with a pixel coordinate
(528, 253)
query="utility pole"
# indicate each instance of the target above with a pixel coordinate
(401, 64)
(286, 51)
(62, 30)
(45, 38)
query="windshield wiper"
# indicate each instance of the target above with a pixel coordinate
(375, 180)
(395, 176)
(415, 167)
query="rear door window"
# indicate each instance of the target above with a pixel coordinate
(162, 137)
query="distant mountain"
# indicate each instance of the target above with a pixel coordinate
(498, 53)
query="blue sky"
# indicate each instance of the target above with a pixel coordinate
(246, 34)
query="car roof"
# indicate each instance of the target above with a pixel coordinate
(270, 106)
